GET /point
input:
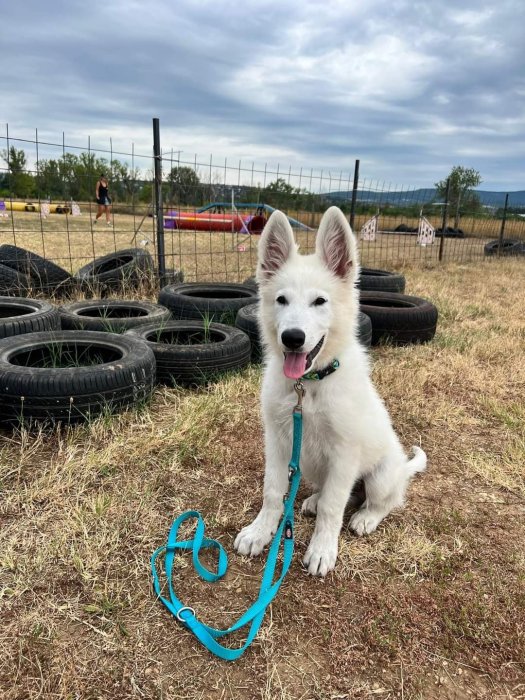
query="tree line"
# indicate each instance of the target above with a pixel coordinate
(68, 177)
(74, 177)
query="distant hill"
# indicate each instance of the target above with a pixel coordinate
(424, 196)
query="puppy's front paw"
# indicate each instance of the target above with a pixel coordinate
(321, 554)
(252, 539)
(364, 522)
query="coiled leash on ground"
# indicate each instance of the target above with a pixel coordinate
(253, 617)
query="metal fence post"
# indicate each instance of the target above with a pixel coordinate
(354, 193)
(158, 200)
(502, 230)
(444, 222)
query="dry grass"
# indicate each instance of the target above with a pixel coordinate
(73, 242)
(430, 606)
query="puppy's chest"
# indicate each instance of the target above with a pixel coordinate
(320, 425)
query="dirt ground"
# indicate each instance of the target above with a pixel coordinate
(431, 606)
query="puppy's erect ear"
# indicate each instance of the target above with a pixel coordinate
(276, 246)
(335, 244)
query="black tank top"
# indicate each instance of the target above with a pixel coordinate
(102, 191)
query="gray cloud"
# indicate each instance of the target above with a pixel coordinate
(410, 88)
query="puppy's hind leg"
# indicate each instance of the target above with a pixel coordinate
(309, 506)
(385, 489)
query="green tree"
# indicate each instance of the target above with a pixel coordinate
(71, 176)
(123, 180)
(281, 195)
(462, 180)
(50, 180)
(184, 186)
(20, 183)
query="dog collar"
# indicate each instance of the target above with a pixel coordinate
(322, 373)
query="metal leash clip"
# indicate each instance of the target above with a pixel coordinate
(300, 391)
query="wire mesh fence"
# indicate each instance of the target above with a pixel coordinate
(204, 215)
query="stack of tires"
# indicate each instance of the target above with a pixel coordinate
(396, 318)
(49, 374)
(23, 272)
(200, 342)
(72, 363)
(82, 359)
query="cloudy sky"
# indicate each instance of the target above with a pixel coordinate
(410, 88)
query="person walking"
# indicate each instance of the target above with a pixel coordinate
(103, 199)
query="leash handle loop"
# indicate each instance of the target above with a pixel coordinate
(253, 617)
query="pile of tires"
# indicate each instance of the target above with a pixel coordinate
(25, 272)
(371, 279)
(86, 358)
(399, 319)
(69, 364)
(508, 246)
(395, 317)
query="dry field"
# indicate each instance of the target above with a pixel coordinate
(431, 606)
(73, 242)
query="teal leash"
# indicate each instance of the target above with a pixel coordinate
(253, 617)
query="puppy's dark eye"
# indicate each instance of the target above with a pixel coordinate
(281, 300)
(319, 301)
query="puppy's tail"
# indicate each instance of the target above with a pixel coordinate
(418, 463)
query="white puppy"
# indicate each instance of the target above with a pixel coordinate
(308, 318)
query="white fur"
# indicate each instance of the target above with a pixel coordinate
(347, 433)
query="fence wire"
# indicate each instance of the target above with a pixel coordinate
(213, 210)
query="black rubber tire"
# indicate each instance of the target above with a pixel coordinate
(44, 275)
(247, 322)
(373, 280)
(111, 316)
(510, 246)
(213, 349)
(251, 282)
(404, 228)
(450, 232)
(364, 329)
(13, 282)
(398, 318)
(218, 302)
(21, 315)
(126, 268)
(123, 376)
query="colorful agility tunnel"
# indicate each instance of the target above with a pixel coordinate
(35, 206)
(222, 216)
(206, 221)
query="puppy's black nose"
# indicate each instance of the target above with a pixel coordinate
(293, 338)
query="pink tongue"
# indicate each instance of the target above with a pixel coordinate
(294, 364)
